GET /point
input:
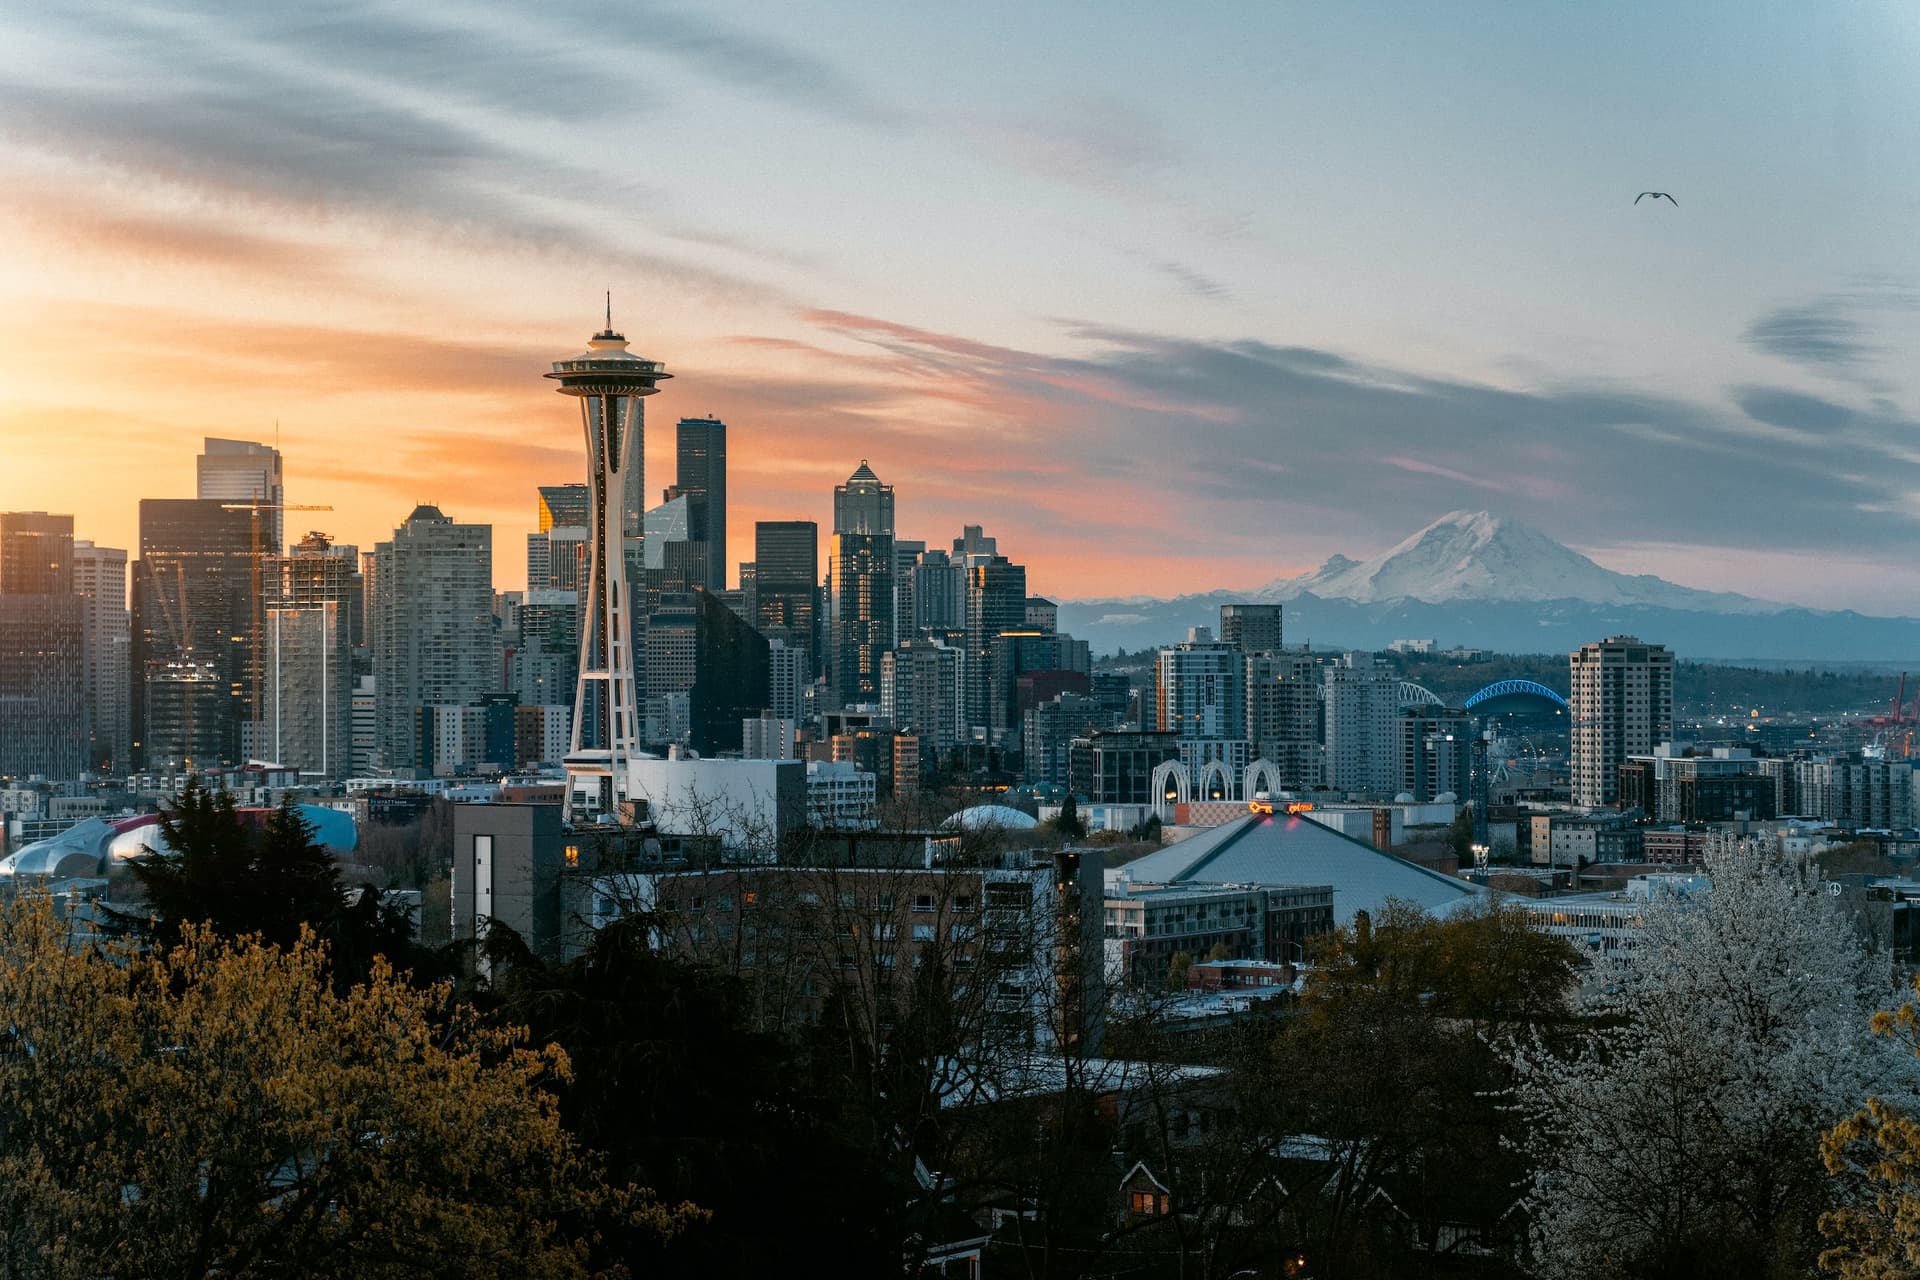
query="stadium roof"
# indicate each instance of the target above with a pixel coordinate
(1289, 849)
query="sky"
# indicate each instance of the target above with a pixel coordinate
(1167, 297)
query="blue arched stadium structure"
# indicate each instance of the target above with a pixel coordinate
(1511, 688)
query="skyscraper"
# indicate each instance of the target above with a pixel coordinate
(611, 384)
(1200, 698)
(43, 707)
(311, 595)
(862, 573)
(1622, 705)
(431, 629)
(786, 576)
(939, 594)
(555, 549)
(906, 558)
(1284, 710)
(1251, 628)
(996, 601)
(193, 659)
(100, 580)
(920, 691)
(244, 471)
(700, 476)
(1362, 704)
(564, 504)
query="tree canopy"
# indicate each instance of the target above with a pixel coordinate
(1678, 1134)
(274, 884)
(218, 1108)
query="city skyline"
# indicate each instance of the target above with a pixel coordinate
(1297, 330)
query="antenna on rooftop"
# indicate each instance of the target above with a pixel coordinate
(609, 311)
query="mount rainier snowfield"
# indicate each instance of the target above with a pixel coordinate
(1472, 578)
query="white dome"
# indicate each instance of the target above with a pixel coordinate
(991, 817)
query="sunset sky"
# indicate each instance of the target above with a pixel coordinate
(1167, 297)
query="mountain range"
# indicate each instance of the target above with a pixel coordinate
(1479, 580)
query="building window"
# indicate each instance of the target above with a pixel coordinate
(1147, 1202)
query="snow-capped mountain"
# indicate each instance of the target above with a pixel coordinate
(1473, 555)
(1475, 579)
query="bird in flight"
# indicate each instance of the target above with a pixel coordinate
(1657, 195)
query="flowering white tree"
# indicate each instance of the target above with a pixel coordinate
(1677, 1132)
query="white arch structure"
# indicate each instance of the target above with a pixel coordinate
(1261, 775)
(1416, 695)
(1170, 776)
(1214, 774)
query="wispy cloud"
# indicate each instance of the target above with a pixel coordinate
(1194, 282)
(1819, 335)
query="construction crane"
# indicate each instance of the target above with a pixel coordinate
(257, 676)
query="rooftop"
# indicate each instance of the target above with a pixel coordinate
(1282, 849)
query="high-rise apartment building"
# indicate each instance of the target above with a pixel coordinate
(861, 568)
(1284, 711)
(194, 664)
(786, 576)
(43, 704)
(311, 595)
(244, 471)
(1199, 690)
(920, 692)
(1362, 703)
(906, 558)
(787, 679)
(939, 594)
(1251, 628)
(542, 629)
(1435, 749)
(1200, 697)
(100, 579)
(700, 476)
(431, 629)
(1621, 705)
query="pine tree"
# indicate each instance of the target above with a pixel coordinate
(215, 873)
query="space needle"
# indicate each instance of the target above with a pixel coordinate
(609, 381)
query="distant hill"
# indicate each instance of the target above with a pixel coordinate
(1471, 578)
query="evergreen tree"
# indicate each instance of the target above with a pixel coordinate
(214, 872)
(1068, 823)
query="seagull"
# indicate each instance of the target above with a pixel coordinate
(1657, 195)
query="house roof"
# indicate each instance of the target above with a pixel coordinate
(1283, 849)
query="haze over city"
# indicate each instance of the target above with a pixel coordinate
(1170, 300)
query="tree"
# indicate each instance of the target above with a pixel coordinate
(217, 874)
(217, 1108)
(1874, 1155)
(1679, 1133)
(1388, 1077)
(679, 1091)
(1068, 823)
(1177, 966)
